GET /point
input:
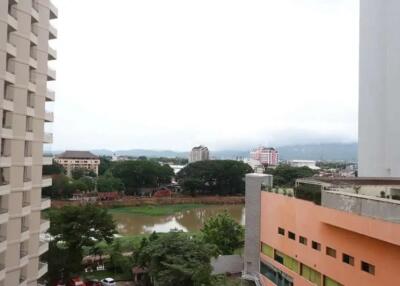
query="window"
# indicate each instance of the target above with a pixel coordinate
(267, 250)
(311, 275)
(281, 231)
(367, 267)
(316, 245)
(292, 235)
(277, 276)
(287, 261)
(330, 252)
(303, 240)
(348, 259)
(330, 282)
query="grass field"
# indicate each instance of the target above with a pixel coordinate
(159, 210)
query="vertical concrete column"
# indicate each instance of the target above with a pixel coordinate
(254, 184)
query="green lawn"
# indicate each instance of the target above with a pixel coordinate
(159, 210)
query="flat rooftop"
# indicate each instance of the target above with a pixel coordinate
(354, 180)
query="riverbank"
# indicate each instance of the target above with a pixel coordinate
(128, 201)
(154, 210)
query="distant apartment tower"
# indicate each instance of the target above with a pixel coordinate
(265, 155)
(71, 160)
(379, 116)
(25, 31)
(199, 153)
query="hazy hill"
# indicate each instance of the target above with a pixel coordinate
(326, 152)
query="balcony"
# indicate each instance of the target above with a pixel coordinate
(10, 77)
(32, 87)
(11, 49)
(22, 280)
(44, 225)
(33, 38)
(2, 271)
(53, 11)
(52, 54)
(45, 204)
(27, 184)
(49, 117)
(46, 182)
(5, 162)
(52, 32)
(8, 105)
(48, 138)
(12, 22)
(43, 247)
(33, 63)
(5, 188)
(42, 269)
(35, 11)
(51, 74)
(3, 243)
(3, 216)
(51, 95)
(26, 209)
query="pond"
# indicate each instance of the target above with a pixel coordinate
(190, 220)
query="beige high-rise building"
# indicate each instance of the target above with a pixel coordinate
(25, 31)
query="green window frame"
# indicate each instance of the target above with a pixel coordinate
(330, 282)
(267, 250)
(311, 275)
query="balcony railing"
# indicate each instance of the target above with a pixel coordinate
(23, 253)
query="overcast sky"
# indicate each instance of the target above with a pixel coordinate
(171, 74)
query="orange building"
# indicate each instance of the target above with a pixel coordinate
(330, 234)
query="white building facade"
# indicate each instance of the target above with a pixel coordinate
(379, 116)
(200, 153)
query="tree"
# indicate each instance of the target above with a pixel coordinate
(218, 177)
(109, 183)
(78, 173)
(118, 262)
(176, 259)
(140, 174)
(86, 184)
(223, 231)
(72, 229)
(285, 175)
(192, 186)
(53, 169)
(61, 187)
(105, 165)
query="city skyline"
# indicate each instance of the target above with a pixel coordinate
(159, 77)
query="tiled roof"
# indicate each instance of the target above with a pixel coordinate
(77, 155)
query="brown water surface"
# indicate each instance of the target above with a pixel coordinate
(188, 220)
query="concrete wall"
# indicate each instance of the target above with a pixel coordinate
(370, 240)
(254, 183)
(379, 117)
(223, 264)
(384, 209)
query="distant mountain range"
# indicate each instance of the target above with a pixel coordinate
(323, 152)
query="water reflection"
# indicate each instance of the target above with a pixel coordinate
(189, 220)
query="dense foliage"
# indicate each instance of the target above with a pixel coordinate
(219, 177)
(53, 169)
(72, 229)
(224, 232)
(141, 173)
(176, 259)
(285, 175)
